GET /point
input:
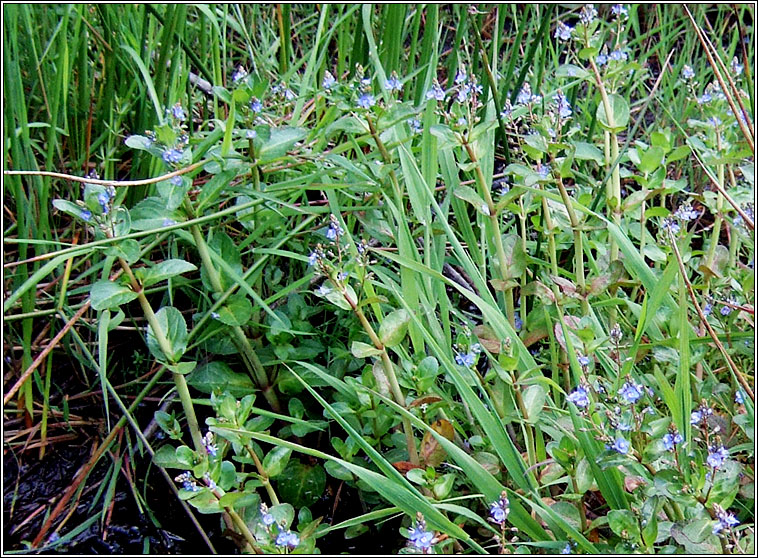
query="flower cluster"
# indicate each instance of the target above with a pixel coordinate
(468, 359)
(699, 415)
(393, 83)
(631, 392)
(499, 509)
(588, 14)
(209, 443)
(420, 538)
(671, 439)
(283, 92)
(685, 212)
(579, 397)
(717, 456)
(188, 482)
(724, 520)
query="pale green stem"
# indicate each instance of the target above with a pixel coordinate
(263, 477)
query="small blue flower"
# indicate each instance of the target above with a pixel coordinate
(631, 392)
(563, 32)
(251, 134)
(670, 224)
(215, 315)
(686, 213)
(584, 361)
(255, 105)
(239, 73)
(739, 398)
(726, 310)
(393, 83)
(619, 55)
(736, 67)
(562, 104)
(687, 72)
(172, 156)
(334, 230)
(696, 417)
(707, 309)
(85, 214)
(341, 276)
(579, 397)
(268, 519)
(420, 537)
(465, 359)
(621, 445)
(725, 521)
(168, 222)
(178, 112)
(210, 447)
(460, 77)
(366, 101)
(517, 322)
(414, 124)
(671, 439)
(436, 92)
(588, 14)
(507, 109)
(566, 549)
(717, 457)
(103, 198)
(463, 93)
(499, 510)
(313, 258)
(714, 121)
(619, 10)
(176, 181)
(704, 99)
(543, 171)
(329, 81)
(601, 59)
(524, 96)
(287, 538)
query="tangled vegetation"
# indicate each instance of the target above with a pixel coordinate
(452, 278)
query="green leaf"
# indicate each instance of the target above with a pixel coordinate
(173, 326)
(619, 117)
(139, 142)
(534, 400)
(363, 350)
(587, 152)
(128, 249)
(393, 328)
(651, 159)
(280, 141)
(624, 524)
(276, 460)
(301, 485)
(165, 270)
(468, 194)
(182, 368)
(515, 257)
(237, 310)
(166, 457)
(220, 376)
(107, 294)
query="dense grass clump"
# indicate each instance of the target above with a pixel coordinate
(453, 278)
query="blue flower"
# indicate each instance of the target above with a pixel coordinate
(239, 73)
(436, 92)
(287, 538)
(420, 537)
(562, 104)
(619, 10)
(579, 397)
(707, 309)
(588, 14)
(85, 214)
(631, 392)
(176, 181)
(251, 134)
(393, 83)
(335, 230)
(584, 361)
(726, 310)
(178, 112)
(671, 439)
(670, 224)
(465, 359)
(736, 67)
(621, 445)
(313, 258)
(366, 101)
(341, 276)
(329, 81)
(462, 95)
(739, 398)
(268, 519)
(618, 55)
(507, 109)
(543, 171)
(725, 522)
(696, 417)
(255, 105)
(210, 447)
(172, 155)
(686, 213)
(704, 99)
(688, 72)
(525, 95)
(717, 457)
(563, 32)
(499, 510)
(415, 125)
(460, 77)
(103, 198)
(601, 59)
(168, 222)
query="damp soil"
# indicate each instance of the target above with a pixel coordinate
(158, 524)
